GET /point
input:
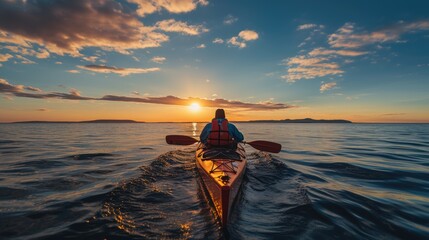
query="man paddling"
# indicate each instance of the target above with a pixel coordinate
(221, 133)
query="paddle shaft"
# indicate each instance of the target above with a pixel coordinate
(261, 145)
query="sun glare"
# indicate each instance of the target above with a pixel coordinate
(194, 107)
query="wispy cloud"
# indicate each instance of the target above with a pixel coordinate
(158, 59)
(243, 37)
(172, 25)
(18, 91)
(327, 86)
(34, 89)
(323, 51)
(5, 57)
(74, 92)
(345, 37)
(174, 6)
(120, 71)
(306, 26)
(41, 53)
(6, 87)
(74, 71)
(218, 40)
(306, 67)
(321, 62)
(24, 60)
(92, 59)
(230, 20)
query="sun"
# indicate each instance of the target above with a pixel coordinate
(194, 107)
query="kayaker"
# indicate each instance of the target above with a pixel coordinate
(221, 133)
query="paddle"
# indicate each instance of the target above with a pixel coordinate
(265, 146)
(261, 145)
(180, 140)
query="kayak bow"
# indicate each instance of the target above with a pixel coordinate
(222, 172)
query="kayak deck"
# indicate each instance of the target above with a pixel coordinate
(221, 171)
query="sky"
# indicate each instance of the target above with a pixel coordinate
(180, 60)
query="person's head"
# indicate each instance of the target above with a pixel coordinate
(220, 113)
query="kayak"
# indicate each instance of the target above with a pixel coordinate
(222, 172)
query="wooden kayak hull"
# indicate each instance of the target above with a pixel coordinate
(222, 174)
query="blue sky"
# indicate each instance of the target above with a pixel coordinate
(149, 60)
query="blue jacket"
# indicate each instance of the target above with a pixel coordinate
(237, 135)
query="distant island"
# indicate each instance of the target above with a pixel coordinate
(305, 120)
(91, 121)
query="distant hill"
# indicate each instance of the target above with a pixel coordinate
(91, 121)
(305, 120)
(110, 121)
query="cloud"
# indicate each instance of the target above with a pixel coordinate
(248, 35)
(230, 20)
(218, 40)
(92, 59)
(327, 86)
(120, 71)
(18, 91)
(41, 53)
(73, 71)
(42, 110)
(172, 25)
(158, 59)
(323, 51)
(243, 37)
(220, 103)
(34, 89)
(174, 6)
(345, 37)
(306, 26)
(66, 27)
(201, 46)
(236, 42)
(24, 60)
(5, 57)
(305, 67)
(6, 87)
(74, 92)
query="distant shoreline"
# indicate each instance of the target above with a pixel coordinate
(90, 121)
(305, 120)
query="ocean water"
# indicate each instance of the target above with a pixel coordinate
(122, 181)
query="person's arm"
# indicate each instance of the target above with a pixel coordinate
(205, 133)
(237, 135)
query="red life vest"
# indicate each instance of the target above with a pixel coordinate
(219, 135)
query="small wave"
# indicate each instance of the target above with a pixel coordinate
(99, 172)
(7, 141)
(42, 164)
(146, 148)
(56, 184)
(90, 156)
(163, 202)
(353, 171)
(8, 193)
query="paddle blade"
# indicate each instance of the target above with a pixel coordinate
(180, 140)
(266, 146)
